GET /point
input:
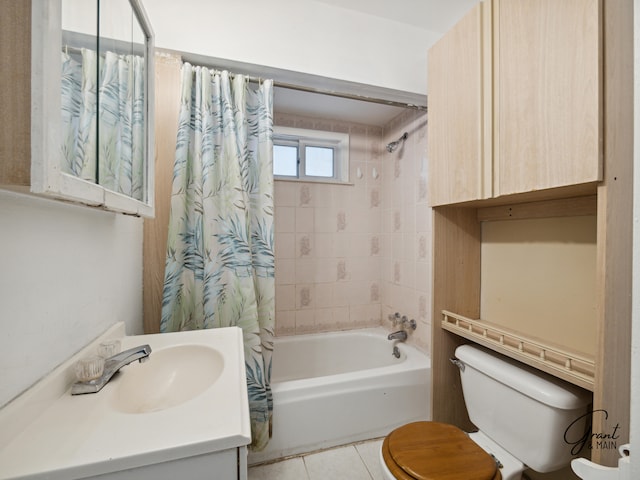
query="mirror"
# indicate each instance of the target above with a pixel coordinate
(105, 97)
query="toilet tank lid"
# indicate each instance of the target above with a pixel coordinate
(534, 383)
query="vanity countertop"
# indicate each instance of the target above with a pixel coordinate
(84, 435)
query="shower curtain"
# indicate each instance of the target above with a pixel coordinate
(103, 120)
(220, 265)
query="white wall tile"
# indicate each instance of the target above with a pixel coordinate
(285, 219)
(286, 324)
(285, 297)
(325, 220)
(285, 246)
(358, 247)
(324, 245)
(304, 218)
(305, 321)
(284, 193)
(285, 271)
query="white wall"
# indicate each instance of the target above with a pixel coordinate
(66, 274)
(298, 35)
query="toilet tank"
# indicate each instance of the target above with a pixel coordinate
(523, 410)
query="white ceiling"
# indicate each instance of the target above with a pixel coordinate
(434, 15)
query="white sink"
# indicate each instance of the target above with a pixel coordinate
(188, 402)
(169, 377)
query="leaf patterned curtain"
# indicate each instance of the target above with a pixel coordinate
(220, 263)
(121, 135)
(103, 120)
(79, 119)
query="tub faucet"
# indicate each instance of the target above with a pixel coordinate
(399, 335)
(111, 366)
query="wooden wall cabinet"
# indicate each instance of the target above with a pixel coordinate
(546, 161)
(515, 100)
(456, 113)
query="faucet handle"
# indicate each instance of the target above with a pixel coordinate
(409, 323)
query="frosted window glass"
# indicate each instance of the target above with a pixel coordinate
(319, 161)
(285, 160)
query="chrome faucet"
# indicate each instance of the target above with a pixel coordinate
(399, 335)
(111, 366)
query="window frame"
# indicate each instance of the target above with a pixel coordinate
(302, 138)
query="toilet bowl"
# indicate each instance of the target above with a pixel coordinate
(521, 413)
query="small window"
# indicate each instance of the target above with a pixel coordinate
(319, 161)
(310, 155)
(285, 160)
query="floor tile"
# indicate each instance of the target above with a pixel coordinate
(338, 464)
(292, 469)
(370, 454)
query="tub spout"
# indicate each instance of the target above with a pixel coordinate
(399, 335)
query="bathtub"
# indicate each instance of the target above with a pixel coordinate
(335, 388)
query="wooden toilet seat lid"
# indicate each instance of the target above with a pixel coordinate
(436, 451)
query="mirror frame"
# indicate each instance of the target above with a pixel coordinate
(47, 177)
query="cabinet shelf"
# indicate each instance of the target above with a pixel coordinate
(572, 366)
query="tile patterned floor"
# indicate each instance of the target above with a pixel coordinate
(351, 462)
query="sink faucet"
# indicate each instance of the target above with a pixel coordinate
(111, 366)
(399, 335)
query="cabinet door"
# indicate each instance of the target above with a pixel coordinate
(547, 78)
(455, 96)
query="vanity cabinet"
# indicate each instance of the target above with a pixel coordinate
(36, 36)
(515, 100)
(230, 464)
(560, 149)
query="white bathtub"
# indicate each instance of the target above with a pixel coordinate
(335, 388)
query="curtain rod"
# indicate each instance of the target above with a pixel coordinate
(332, 93)
(349, 96)
(303, 82)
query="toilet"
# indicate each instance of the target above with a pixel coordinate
(521, 415)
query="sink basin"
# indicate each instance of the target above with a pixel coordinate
(170, 377)
(174, 416)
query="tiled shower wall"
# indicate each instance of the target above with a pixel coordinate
(348, 255)
(406, 230)
(328, 240)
